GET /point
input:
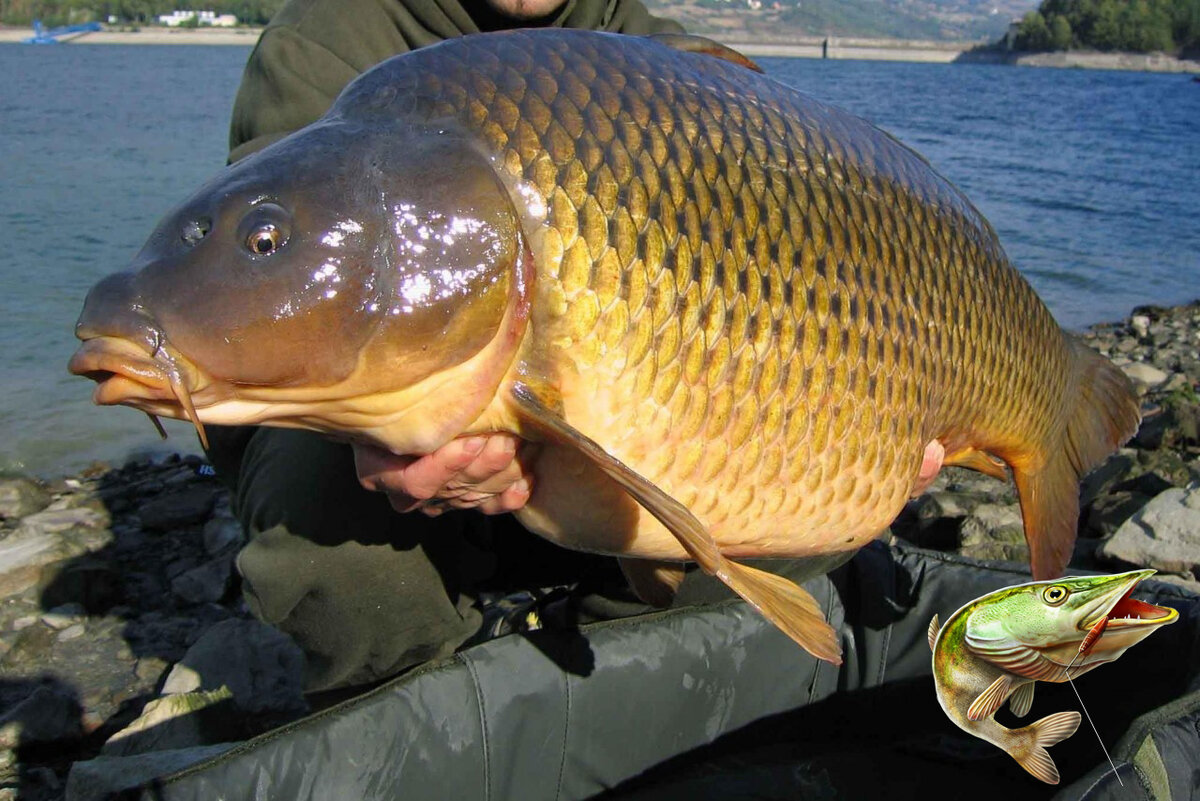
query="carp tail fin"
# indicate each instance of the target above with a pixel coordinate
(781, 601)
(1104, 413)
(1030, 744)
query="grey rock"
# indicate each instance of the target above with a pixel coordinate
(21, 496)
(260, 665)
(220, 534)
(1146, 374)
(207, 583)
(105, 776)
(1164, 535)
(995, 531)
(61, 617)
(88, 581)
(174, 721)
(54, 521)
(26, 552)
(71, 632)
(45, 716)
(184, 507)
(1140, 324)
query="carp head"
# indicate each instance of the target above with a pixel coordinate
(362, 281)
(1036, 630)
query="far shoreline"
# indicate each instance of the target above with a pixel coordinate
(816, 47)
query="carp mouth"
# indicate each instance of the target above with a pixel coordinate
(159, 383)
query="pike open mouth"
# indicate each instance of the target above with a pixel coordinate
(126, 375)
(1128, 612)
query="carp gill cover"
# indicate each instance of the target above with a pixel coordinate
(742, 323)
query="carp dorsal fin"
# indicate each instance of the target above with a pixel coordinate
(780, 601)
(990, 699)
(690, 43)
(932, 632)
(1021, 701)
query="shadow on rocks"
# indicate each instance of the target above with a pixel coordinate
(119, 585)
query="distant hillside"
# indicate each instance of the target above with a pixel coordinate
(901, 19)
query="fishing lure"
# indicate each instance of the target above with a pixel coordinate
(995, 648)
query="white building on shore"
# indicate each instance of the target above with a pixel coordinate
(205, 18)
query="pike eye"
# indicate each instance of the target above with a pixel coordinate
(265, 240)
(1055, 594)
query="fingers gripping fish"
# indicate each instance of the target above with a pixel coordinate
(995, 648)
(737, 319)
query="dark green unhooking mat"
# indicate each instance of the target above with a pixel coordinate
(714, 702)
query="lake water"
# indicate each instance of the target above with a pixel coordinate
(1092, 180)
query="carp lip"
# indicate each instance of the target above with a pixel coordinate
(125, 374)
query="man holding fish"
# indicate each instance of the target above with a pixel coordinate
(659, 305)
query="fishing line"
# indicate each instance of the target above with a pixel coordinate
(1082, 647)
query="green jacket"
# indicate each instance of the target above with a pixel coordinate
(313, 48)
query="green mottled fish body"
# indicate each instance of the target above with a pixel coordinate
(993, 650)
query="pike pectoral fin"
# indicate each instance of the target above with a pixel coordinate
(990, 699)
(654, 582)
(783, 603)
(932, 631)
(1021, 701)
(1030, 744)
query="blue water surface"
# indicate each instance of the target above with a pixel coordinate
(1091, 178)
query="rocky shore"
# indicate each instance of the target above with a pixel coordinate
(125, 645)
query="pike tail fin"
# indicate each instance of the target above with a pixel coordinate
(1030, 744)
(1103, 414)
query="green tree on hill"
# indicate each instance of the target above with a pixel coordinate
(1131, 25)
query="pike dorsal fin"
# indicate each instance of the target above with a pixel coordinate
(990, 699)
(932, 631)
(780, 601)
(689, 43)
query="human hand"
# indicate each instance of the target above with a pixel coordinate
(488, 473)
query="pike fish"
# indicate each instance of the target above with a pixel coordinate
(995, 648)
(738, 319)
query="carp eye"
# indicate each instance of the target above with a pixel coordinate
(1055, 595)
(265, 229)
(265, 240)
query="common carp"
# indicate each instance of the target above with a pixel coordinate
(738, 319)
(994, 649)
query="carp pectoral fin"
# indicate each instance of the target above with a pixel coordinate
(780, 601)
(932, 631)
(1030, 744)
(653, 581)
(1021, 701)
(978, 461)
(990, 699)
(689, 43)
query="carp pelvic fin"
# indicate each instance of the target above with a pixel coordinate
(702, 44)
(1032, 741)
(978, 461)
(1021, 701)
(652, 581)
(1104, 415)
(990, 699)
(780, 601)
(932, 632)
